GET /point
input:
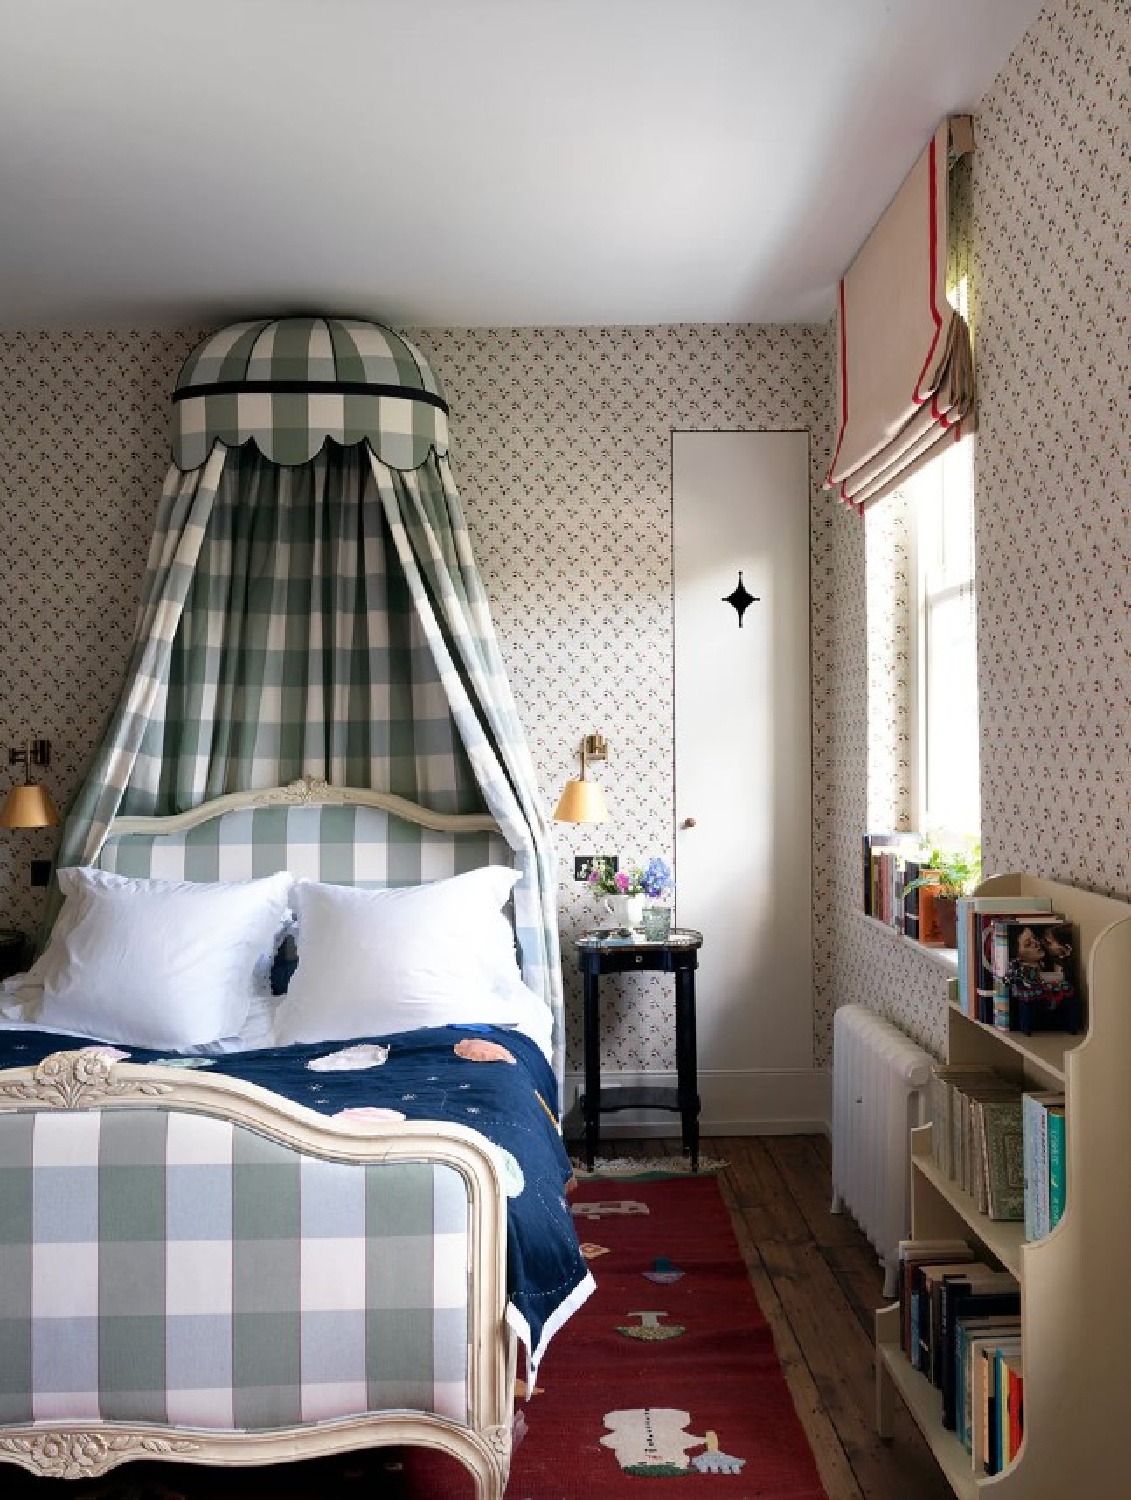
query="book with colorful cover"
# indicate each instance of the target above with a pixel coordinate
(999, 1454)
(974, 916)
(1015, 1403)
(1034, 965)
(1054, 1124)
(1034, 1124)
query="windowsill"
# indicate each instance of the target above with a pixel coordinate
(945, 958)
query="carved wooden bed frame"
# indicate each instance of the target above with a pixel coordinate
(88, 1079)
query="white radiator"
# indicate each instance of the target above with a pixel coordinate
(881, 1081)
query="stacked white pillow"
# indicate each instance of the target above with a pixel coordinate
(157, 963)
(373, 962)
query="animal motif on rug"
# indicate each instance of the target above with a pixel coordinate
(651, 1330)
(651, 1441)
(604, 1209)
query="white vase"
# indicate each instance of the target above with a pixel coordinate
(626, 911)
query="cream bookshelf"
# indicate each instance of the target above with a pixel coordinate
(1075, 1296)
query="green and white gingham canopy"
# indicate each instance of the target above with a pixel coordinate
(312, 607)
(289, 384)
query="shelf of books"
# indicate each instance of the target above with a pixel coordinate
(1010, 1335)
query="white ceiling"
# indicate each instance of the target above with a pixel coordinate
(464, 162)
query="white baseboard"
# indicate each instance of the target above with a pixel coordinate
(767, 1101)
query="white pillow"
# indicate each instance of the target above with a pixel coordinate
(157, 963)
(373, 962)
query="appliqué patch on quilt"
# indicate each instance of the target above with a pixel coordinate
(663, 1273)
(592, 1251)
(651, 1330)
(477, 1050)
(350, 1059)
(606, 1209)
(651, 1441)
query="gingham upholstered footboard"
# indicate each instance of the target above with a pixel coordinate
(195, 1269)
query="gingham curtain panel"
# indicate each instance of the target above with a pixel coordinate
(312, 607)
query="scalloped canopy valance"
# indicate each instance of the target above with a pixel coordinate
(289, 384)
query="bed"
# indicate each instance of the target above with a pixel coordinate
(228, 1256)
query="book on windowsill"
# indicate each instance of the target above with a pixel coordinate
(879, 877)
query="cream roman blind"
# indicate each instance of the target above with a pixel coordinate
(906, 372)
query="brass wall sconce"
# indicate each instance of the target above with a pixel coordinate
(583, 801)
(27, 804)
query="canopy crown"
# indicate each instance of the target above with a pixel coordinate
(290, 384)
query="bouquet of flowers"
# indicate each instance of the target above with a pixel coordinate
(652, 880)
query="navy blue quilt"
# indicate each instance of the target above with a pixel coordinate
(425, 1079)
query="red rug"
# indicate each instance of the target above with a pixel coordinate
(668, 1385)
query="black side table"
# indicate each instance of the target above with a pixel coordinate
(678, 955)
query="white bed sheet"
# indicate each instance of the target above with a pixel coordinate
(19, 1006)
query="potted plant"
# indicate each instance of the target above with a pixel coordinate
(947, 872)
(624, 891)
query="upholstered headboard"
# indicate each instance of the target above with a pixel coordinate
(340, 835)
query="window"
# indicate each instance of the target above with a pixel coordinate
(944, 677)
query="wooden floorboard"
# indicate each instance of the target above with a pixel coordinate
(818, 1282)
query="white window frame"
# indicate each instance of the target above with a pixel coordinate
(930, 820)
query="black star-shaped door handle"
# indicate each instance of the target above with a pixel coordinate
(741, 598)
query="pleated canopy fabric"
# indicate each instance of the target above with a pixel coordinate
(905, 366)
(288, 384)
(312, 607)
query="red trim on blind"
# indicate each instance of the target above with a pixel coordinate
(843, 386)
(933, 287)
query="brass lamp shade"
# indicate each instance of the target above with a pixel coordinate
(28, 807)
(581, 802)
